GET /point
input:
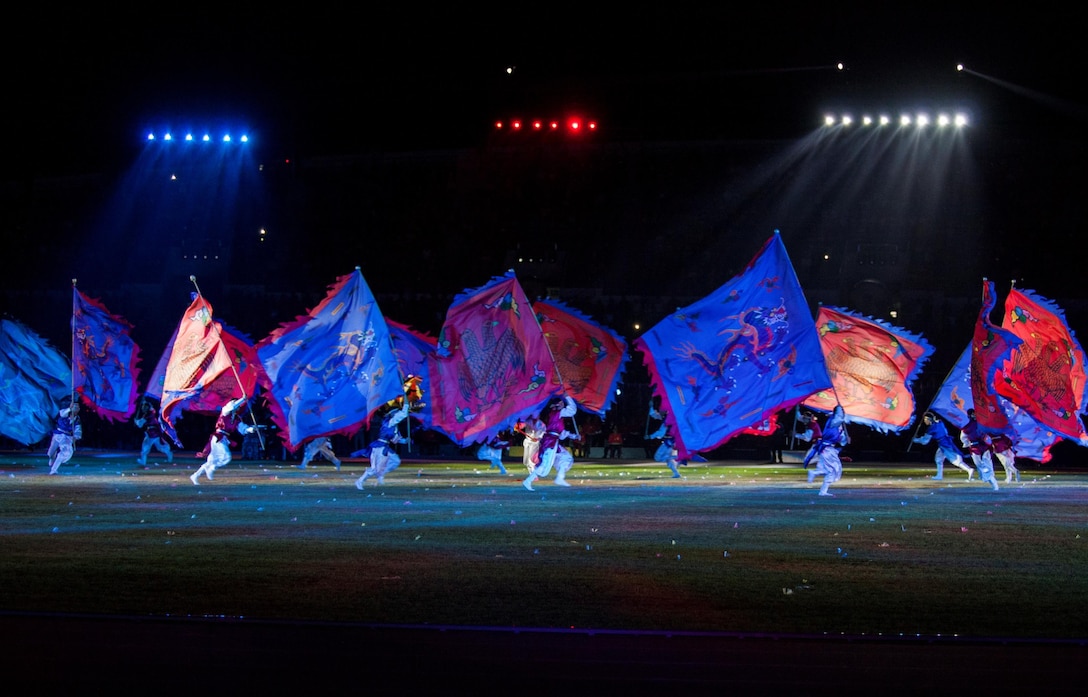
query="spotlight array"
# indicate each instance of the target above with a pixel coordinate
(168, 137)
(572, 125)
(919, 120)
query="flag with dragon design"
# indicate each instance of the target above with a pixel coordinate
(1046, 373)
(492, 366)
(872, 367)
(731, 360)
(329, 370)
(104, 358)
(590, 357)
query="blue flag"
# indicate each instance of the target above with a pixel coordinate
(412, 349)
(734, 358)
(329, 370)
(35, 379)
(104, 359)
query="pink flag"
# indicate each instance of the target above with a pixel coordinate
(492, 366)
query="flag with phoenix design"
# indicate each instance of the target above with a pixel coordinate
(590, 357)
(492, 367)
(731, 360)
(1031, 439)
(104, 359)
(329, 370)
(991, 346)
(1045, 374)
(872, 366)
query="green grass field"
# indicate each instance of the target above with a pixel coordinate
(730, 547)
(452, 579)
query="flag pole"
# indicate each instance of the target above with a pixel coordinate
(555, 365)
(73, 326)
(932, 399)
(233, 369)
(793, 429)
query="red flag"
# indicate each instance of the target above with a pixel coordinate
(991, 346)
(198, 358)
(1046, 374)
(872, 366)
(590, 357)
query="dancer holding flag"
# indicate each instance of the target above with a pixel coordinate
(198, 357)
(219, 455)
(65, 434)
(383, 451)
(552, 452)
(826, 450)
(946, 448)
(148, 419)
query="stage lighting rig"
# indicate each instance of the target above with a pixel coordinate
(570, 126)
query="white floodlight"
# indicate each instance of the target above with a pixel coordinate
(847, 119)
(885, 120)
(829, 120)
(867, 120)
(961, 120)
(904, 120)
(188, 137)
(922, 120)
(943, 120)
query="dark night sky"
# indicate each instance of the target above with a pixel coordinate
(90, 79)
(314, 84)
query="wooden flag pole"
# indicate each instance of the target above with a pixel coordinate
(237, 377)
